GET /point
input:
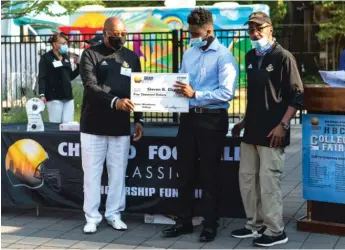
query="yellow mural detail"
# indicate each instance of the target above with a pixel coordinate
(91, 20)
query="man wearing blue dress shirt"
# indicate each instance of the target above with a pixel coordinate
(213, 74)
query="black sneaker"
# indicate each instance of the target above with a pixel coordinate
(268, 241)
(246, 233)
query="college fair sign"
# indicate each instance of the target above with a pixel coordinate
(324, 158)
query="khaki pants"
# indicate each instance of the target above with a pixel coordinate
(260, 174)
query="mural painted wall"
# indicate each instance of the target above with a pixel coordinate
(155, 50)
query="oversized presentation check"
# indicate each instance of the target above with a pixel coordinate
(154, 92)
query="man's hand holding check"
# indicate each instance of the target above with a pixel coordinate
(124, 104)
(184, 89)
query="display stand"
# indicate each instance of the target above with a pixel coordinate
(324, 217)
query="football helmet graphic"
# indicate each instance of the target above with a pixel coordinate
(26, 162)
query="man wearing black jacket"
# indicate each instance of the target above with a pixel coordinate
(105, 70)
(274, 94)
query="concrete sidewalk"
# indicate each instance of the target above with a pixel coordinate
(58, 229)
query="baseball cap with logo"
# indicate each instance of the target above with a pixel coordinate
(259, 18)
(98, 38)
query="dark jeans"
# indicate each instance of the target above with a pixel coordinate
(200, 136)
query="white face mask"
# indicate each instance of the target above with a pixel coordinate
(260, 44)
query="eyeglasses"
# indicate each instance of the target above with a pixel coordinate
(116, 33)
(257, 29)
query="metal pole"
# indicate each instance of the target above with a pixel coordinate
(309, 210)
(175, 46)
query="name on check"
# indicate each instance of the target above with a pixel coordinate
(154, 92)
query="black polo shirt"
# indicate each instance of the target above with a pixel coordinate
(274, 84)
(55, 82)
(100, 71)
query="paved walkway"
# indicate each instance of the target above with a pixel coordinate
(57, 229)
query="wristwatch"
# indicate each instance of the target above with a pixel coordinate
(286, 126)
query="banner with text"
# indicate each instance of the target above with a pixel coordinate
(324, 158)
(45, 169)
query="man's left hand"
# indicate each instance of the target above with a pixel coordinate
(76, 59)
(139, 131)
(184, 89)
(277, 136)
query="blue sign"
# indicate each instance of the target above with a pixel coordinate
(323, 140)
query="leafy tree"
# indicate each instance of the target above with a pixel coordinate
(16, 9)
(332, 22)
(278, 11)
(330, 16)
(72, 6)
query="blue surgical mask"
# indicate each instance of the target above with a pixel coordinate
(261, 46)
(198, 42)
(63, 49)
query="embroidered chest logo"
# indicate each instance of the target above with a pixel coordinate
(269, 68)
(125, 64)
(250, 66)
(104, 63)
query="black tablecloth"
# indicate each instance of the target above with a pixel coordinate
(151, 183)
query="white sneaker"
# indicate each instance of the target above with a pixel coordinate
(90, 228)
(118, 224)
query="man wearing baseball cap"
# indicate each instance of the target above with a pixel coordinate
(274, 94)
(97, 39)
(259, 18)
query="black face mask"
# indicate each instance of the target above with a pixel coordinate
(117, 42)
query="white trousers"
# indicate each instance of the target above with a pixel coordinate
(60, 111)
(95, 149)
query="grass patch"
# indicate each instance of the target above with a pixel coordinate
(18, 114)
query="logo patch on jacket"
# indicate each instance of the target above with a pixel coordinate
(269, 68)
(104, 63)
(125, 64)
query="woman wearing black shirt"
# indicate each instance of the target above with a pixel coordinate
(54, 79)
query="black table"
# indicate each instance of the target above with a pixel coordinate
(151, 182)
